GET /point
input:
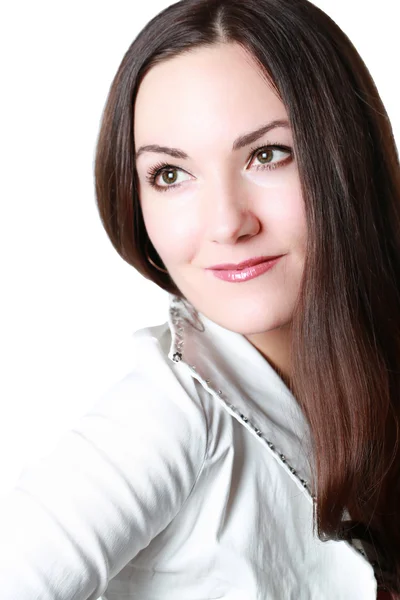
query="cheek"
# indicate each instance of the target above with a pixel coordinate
(278, 200)
(283, 214)
(174, 233)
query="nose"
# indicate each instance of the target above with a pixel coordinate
(229, 215)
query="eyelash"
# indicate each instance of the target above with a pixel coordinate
(157, 169)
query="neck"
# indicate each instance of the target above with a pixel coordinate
(274, 346)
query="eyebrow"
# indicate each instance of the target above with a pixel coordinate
(240, 142)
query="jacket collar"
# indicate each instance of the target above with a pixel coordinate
(232, 370)
(236, 375)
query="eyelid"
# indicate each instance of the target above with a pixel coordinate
(157, 169)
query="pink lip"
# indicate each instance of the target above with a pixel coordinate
(246, 263)
(250, 272)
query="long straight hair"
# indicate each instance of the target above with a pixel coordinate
(346, 325)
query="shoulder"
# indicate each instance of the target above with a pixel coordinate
(113, 482)
(157, 393)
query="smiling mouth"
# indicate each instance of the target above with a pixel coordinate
(237, 275)
(246, 263)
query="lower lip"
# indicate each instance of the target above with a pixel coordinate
(239, 275)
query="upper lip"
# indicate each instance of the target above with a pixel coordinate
(246, 263)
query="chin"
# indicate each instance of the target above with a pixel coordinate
(249, 325)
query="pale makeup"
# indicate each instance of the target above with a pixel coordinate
(223, 205)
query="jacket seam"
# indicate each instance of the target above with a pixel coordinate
(203, 460)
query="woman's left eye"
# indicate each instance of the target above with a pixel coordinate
(266, 152)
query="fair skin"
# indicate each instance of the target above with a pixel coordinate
(219, 207)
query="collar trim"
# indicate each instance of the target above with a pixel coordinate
(181, 312)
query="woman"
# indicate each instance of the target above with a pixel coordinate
(253, 450)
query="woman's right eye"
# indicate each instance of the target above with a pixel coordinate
(165, 171)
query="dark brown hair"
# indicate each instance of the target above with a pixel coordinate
(346, 326)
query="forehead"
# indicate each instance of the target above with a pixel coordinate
(208, 92)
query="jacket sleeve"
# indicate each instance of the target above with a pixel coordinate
(113, 482)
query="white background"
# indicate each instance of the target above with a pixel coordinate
(69, 303)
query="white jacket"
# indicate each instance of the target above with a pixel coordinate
(188, 480)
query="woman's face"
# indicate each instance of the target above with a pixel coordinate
(215, 204)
